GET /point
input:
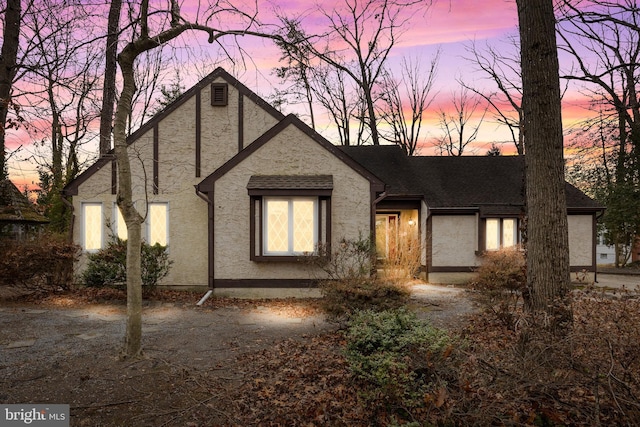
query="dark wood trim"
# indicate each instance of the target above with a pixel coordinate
(291, 119)
(265, 283)
(71, 189)
(281, 258)
(240, 121)
(156, 149)
(391, 204)
(297, 192)
(455, 211)
(576, 268)
(198, 132)
(252, 227)
(114, 176)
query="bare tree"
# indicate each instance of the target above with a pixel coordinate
(610, 32)
(417, 85)
(361, 36)
(502, 70)
(458, 129)
(548, 274)
(110, 71)
(8, 69)
(171, 23)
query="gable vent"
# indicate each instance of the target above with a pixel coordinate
(219, 94)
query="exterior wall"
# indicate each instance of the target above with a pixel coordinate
(291, 152)
(454, 240)
(581, 240)
(188, 213)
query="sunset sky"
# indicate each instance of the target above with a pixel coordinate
(449, 25)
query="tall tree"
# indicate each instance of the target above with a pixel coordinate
(8, 69)
(458, 129)
(548, 274)
(110, 71)
(146, 37)
(361, 36)
(405, 121)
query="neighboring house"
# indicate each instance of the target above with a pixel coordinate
(239, 193)
(605, 254)
(18, 218)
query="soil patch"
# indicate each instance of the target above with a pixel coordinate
(198, 360)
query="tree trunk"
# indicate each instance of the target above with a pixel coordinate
(548, 273)
(109, 87)
(8, 68)
(133, 336)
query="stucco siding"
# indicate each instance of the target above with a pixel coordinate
(454, 240)
(580, 240)
(291, 152)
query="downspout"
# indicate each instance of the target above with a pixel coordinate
(372, 221)
(206, 199)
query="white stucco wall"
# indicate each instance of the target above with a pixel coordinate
(454, 240)
(580, 240)
(289, 153)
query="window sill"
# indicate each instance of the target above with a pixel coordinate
(282, 258)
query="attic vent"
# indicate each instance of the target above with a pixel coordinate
(219, 92)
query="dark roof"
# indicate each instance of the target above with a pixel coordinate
(495, 183)
(291, 182)
(14, 206)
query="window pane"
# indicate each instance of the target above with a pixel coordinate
(493, 234)
(158, 224)
(277, 224)
(92, 226)
(303, 226)
(121, 227)
(508, 232)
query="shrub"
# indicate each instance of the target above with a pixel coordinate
(349, 284)
(108, 266)
(501, 280)
(400, 361)
(42, 264)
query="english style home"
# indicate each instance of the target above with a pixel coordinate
(239, 192)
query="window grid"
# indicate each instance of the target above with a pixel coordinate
(290, 226)
(92, 226)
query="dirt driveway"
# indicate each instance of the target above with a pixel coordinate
(53, 354)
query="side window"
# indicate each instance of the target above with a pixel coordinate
(92, 234)
(158, 224)
(500, 233)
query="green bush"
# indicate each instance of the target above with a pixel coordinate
(399, 360)
(108, 266)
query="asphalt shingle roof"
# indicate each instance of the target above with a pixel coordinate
(14, 206)
(492, 182)
(290, 182)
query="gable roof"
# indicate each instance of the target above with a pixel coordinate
(489, 183)
(206, 185)
(72, 187)
(14, 206)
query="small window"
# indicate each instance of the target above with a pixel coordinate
(290, 226)
(603, 256)
(219, 94)
(92, 226)
(158, 224)
(500, 233)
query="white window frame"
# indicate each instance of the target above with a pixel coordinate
(148, 222)
(290, 234)
(85, 205)
(500, 233)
